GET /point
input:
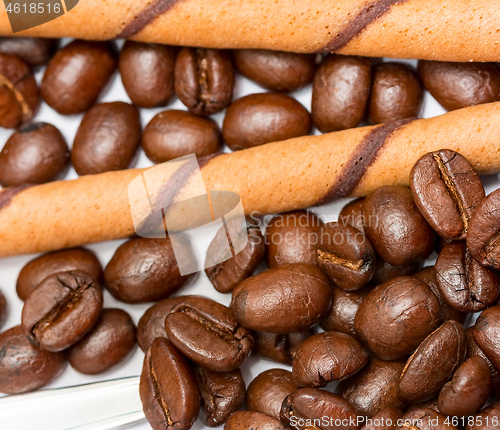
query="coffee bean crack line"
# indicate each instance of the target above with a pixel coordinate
(335, 259)
(159, 398)
(17, 94)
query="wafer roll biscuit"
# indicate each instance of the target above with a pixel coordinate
(275, 177)
(451, 30)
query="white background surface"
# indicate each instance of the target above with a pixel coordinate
(10, 267)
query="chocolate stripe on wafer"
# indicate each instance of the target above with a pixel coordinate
(8, 194)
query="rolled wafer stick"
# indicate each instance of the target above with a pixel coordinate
(451, 30)
(275, 177)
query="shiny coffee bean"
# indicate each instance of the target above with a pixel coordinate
(147, 72)
(398, 232)
(487, 334)
(77, 74)
(279, 347)
(268, 390)
(65, 260)
(174, 133)
(283, 300)
(386, 419)
(169, 393)
(3, 309)
(32, 50)
(207, 333)
(397, 93)
(110, 342)
(327, 357)
(107, 138)
(447, 191)
(487, 419)
(425, 419)
(19, 98)
(352, 214)
(396, 317)
(61, 310)
(222, 393)
(34, 154)
(463, 282)
(340, 93)
(204, 80)
(257, 119)
(249, 420)
(433, 363)
(23, 366)
(385, 272)
(236, 267)
(458, 85)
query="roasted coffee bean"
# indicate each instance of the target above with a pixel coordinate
(207, 333)
(397, 93)
(385, 272)
(346, 256)
(234, 268)
(398, 232)
(34, 154)
(463, 282)
(340, 93)
(487, 334)
(147, 72)
(257, 119)
(32, 50)
(204, 79)
(279, 347)
(396, 317)
(326, 357)
(268, 390)
(276, 70)
(144, 270)
(468, 391)
(483, 237)
(487, 419)
(447, 191)
(110, 342)
(175, 133)
(352, 214)
(426, 419)
(386, 419)
(293, 238)
(300, 409)
(169, 393)
(19, 98)
(65, 260)
(283, 300)
(3, 309)
(248, 420)
(222, 393)
(458, 85)
(107, 138)
(374, 387)
(433, 363)
(77, 74)
(61, 310)
(23, 366)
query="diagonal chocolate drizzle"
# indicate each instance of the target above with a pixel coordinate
(8, 194)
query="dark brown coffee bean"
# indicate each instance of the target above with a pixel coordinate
(235, 267)
(340, 93)
(352, 214)
(487, 334)
(346, 256)
(464, 283)
(433, 363)
(326, 357)
(458, 85)
(487, 419)
(428, 404)
(257, 119)
(447, 191)
(144, 270)
(293, 238)
(374, 387)
(77, 74)
(207, 333)
(299, 298)
(19, 98)
(61, 310)
(204, 80)
(425, 419)
(33, 50)
(249, 420)
(385, 272)
(279, 347)
(3, 309)
(386, 419)
(222, 393)
(34, 154)
(65, 260)
(110, 342)
(300, 409)
(397, 93)
(147, 72)
(24, 367)
(398, 232)
(396, 317)
(175, 133)
(169, 393)
(268, 390)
